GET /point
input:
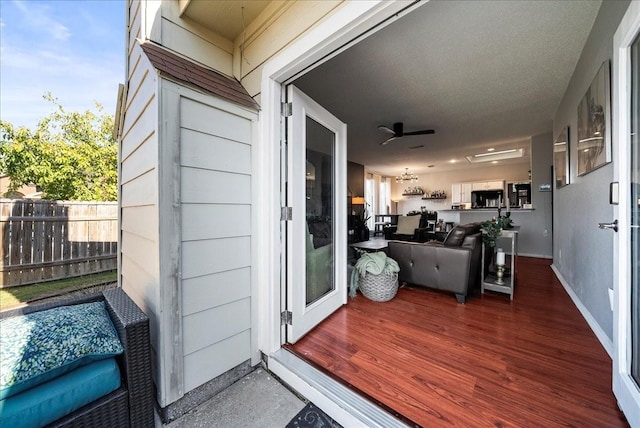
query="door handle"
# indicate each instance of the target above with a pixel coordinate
(613, 225)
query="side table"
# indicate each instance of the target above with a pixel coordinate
(488, 280)
(371, 245)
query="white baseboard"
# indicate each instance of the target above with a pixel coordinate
(595, 327)
(537, 256)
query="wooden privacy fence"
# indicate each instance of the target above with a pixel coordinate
(47, 240)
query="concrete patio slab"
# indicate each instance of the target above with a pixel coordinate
(257, 399)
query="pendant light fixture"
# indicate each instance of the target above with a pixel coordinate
(406, 176)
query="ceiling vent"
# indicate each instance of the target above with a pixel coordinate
(496, 156)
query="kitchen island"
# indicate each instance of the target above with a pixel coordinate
(530, 233)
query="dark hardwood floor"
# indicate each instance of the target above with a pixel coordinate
(489, 362)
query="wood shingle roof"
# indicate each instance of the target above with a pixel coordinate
(187, 71)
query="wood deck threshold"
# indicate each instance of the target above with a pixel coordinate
(489, 362)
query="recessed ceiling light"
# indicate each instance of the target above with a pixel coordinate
(494, 161)
(501, 155)
(452, 161)
(491, 149)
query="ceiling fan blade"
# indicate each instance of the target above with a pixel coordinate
(386, 129)
(423, 132)
(388, 140)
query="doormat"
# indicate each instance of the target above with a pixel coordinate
(312, 417)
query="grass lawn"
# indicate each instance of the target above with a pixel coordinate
(14, 296)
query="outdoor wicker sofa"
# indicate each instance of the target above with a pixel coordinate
(132, 404)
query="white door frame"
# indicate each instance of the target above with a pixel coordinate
(624, 387)
(345, 27)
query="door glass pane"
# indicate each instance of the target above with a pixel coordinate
(635, 213)
(320, 213)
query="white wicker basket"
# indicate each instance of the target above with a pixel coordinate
(379, 288)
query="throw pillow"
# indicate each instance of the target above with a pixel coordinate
(38, 347)
(455, 237)
(408, 224)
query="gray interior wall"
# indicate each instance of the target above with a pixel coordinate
(583, 253)
(355, 178)
(540, 223)
(536, 228)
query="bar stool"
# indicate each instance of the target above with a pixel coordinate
(379, 227)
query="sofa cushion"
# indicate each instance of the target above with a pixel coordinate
(61, 396)
(407, 225)
(40, 346)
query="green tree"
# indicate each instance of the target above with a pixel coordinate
(70, 155)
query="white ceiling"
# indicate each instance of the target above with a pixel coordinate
(481, 73)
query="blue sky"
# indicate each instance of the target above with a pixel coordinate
(73, 49)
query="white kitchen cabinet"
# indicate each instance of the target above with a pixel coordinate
(489, 185)
(461, 193)
(456, 193)
(466, 192)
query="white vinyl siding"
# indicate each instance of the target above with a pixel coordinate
(215, 191)
(215, 359)
(134, 30)
(193, 45)
(138, 158)
(165, 27)
(278, 26)
(139, 172)
(228, 286)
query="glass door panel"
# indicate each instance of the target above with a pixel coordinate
(319, 210)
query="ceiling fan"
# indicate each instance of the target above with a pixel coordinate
(398, 132)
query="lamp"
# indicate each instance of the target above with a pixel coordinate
(357, 200)
(406, 176)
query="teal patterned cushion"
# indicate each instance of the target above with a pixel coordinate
(38, 347)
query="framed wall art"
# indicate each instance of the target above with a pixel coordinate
(594, 123)
(561, 158)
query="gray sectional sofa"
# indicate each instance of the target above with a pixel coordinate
(452, 265)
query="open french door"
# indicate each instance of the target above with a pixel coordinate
(626, 140)
(316, 230)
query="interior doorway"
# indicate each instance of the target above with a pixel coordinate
(346, 26)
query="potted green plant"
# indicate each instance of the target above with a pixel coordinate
(491, 231)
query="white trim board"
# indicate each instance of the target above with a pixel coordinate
(606, 343)
(341, 403)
